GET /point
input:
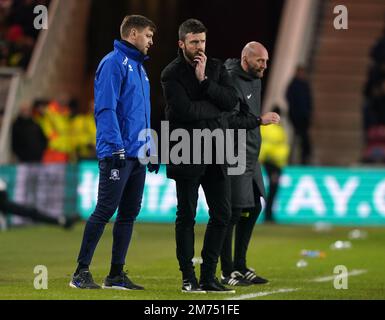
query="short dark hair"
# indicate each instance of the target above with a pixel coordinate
(135, 21)
(191, 26)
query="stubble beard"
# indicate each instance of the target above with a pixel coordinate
(191, 55)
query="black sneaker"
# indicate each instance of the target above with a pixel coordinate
(235, 279)
(120, 282)
(215, 286)
(250, 275)
(191, 286)
(83, 280)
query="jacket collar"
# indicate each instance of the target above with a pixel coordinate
(180, 53)
(181, 56)
(242, 73)
(130, 50)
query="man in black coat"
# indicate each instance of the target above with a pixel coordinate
(28, 139)
(199, 95)
(300, 101)
(246, 189)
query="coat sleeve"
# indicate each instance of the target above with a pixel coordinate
(182, 107)
(241, 118)
(221, 93)
(107, 91)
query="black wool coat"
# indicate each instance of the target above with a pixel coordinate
(193, 105)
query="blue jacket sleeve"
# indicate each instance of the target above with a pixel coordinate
(108, 84)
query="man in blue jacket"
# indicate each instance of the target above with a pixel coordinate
(122, 111)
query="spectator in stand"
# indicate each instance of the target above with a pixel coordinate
(300, 102)
(20, 47)
(374, 91)
(17, 32)
(28, 139)
(22, 14)
(55, 122)
(83, 134)
(374, 106)
(378, 102)
(377, 53)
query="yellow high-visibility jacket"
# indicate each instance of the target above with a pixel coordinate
(275, 147)
(83, 135)
(55, 123)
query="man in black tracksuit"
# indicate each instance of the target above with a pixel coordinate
(246, 189)
(199, 95)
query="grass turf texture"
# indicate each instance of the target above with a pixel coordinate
(151, 262)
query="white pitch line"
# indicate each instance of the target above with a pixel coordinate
(261, 294)
(329, 278)
(153, 278)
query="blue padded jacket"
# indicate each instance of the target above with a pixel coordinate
(122, 101)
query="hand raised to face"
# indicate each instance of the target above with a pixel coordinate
(200, 69)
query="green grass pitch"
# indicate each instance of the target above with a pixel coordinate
(151, 262)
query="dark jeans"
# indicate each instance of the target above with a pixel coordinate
(217, 192)
(123, 189)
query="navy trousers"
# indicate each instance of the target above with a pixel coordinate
(118, 188)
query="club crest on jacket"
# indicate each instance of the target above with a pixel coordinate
(115, 175)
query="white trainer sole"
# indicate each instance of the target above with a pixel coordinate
(75, 287)
(222, 292)
(197, 292)
(118, 288)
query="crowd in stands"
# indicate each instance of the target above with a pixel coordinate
(374, 107)
(17, 32)
(53, 132)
